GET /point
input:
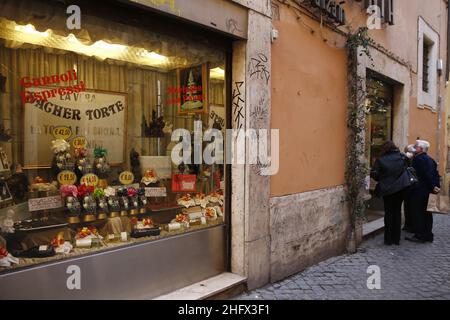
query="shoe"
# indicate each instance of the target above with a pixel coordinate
(414, 239)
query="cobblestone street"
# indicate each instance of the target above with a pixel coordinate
(410, 271)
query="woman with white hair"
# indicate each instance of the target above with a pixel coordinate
(429, 182)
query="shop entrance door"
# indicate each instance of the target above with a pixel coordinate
(379, 128)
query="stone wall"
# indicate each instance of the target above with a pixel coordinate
(305, 229)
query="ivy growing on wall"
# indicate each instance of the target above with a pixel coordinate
(357, 45)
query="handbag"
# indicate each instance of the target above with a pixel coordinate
(438, 204)
(412, 175)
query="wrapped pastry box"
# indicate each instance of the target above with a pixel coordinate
(150, 232)
(193, 212)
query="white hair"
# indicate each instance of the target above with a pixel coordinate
(411, 148)
(425, 145)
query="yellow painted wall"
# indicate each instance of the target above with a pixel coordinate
(309, 95)
(309, 105)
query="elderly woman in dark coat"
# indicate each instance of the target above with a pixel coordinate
(388, 170)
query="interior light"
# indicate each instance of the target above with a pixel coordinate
(101, 49)
(30, 29)
(217, 73)
(157, 57)
(108, 46)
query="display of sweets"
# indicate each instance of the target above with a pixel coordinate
(101, 165)
(134, 200)
(40, 185)
(62, 160)
(70, 195)
(82, 163)
(113, 202)
(210, 213)
(142, 200)
(102, 203)
(122, 193)
(118, 237)
(85, 193)
(87, 237)
(150, 179)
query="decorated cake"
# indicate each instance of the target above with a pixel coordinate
(186, 201)
(150, 179)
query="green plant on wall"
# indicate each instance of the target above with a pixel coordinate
(357, 169)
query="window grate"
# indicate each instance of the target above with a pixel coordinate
(426, 67)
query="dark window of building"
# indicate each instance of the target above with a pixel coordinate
(426, 66)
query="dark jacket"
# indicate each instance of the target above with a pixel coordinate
(427, 173)
(387, 170)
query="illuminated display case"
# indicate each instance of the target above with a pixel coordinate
(96, 118)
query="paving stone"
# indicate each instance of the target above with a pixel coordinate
(410, 271)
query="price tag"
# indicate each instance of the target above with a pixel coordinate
(79, 142)
(62, 132)
(126, 178)
(155, 192)
(67, 177)
(90, 180)
(47, 203)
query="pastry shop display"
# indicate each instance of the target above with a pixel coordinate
(122, 193)
(38, 224)
(85, 193)
(198, 222)
(62, 159)
(134, 200)
(70, 195)
(210, 214)
(186, 201)
(42, 251)
(102, 203)
(181, 218)
(88, 237)
(61, 246)
(87, 243)
(117, 237)
(144, 228)
(7, 225)
(215, 197)
(201, 200)
(113, 202)
(40, 185)
(193, 212)
(85, 205)
(7, 259)
(150, 179)
(82, 163)
(87, 232)
(177, 226)
(101, 165)
(142, 201)
(219, 211)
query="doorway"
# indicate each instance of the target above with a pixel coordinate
(379, 128)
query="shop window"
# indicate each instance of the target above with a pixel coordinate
(427, 65)
(89, 127)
